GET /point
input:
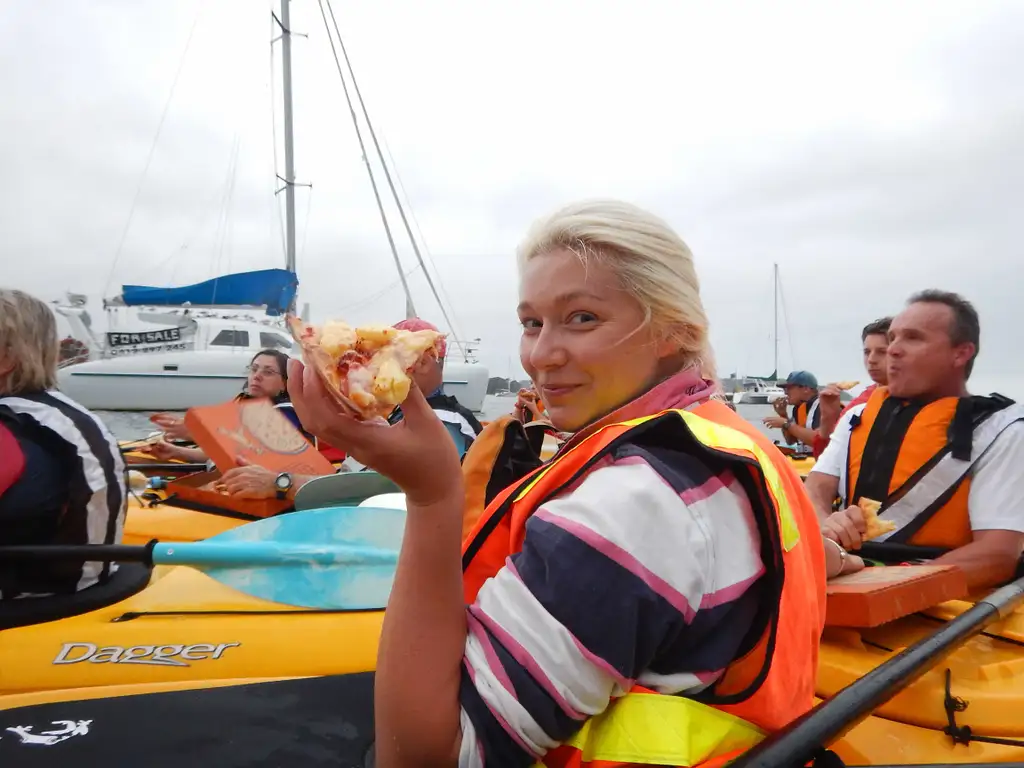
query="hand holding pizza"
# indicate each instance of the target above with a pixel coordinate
(417, 453)
(854, 525)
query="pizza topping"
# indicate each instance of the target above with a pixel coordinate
(366, 368)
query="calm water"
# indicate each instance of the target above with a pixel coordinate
(132, 425)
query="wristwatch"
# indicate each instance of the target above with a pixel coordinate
(283, 484)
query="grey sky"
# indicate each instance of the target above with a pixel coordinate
(870, 149)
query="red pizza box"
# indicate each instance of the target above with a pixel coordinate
(877, 595)
(200, 490)
(259, 433)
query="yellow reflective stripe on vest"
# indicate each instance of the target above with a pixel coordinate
(652, 729)
(714, 435)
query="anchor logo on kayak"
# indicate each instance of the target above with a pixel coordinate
(54, 736)
(154, 655)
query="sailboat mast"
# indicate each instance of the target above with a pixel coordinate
(775, 335)
(289, 149)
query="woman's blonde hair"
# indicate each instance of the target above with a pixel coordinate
(28, 337)
(649, 258)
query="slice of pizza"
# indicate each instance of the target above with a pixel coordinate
(366, 369)
(876, 526)
(845, 385)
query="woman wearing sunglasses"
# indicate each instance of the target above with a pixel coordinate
(267, 378)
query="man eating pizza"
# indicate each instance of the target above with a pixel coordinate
(944, 464)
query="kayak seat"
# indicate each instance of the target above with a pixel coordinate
(343, 489)
(127, 580)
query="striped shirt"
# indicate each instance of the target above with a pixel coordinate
(646, 572)
(93, 484)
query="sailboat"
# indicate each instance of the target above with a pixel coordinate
(762, 390)
(201, 337)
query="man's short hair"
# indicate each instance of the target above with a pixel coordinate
(966, 327)
(879, 327)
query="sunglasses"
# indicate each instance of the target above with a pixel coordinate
(263, 369)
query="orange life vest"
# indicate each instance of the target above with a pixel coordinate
(762, 691)
(804, 413)
(894, 444)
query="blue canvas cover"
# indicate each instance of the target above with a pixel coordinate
(274, 288)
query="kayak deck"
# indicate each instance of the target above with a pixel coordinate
(295, 722)
(186, 626)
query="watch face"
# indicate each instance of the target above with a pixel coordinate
(283, 482)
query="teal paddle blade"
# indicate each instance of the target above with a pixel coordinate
(339, 558)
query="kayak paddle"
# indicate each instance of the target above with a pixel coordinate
(798, 744)
(166, 466)
(340, 558)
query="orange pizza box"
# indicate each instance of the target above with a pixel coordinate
(259, 433)
(199, 490)
(877, 595)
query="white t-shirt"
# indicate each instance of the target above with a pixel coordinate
(996, 498)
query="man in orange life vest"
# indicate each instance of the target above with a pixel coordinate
(946, 465)
(801, 426)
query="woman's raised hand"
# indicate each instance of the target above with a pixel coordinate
(173, 426)
(417, 453)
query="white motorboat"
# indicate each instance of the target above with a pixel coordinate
(758, 392)
(185, 358)
(192, 344)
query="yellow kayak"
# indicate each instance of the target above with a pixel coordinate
(183, 627)
(802, 465)
(987, 672)
(186, 631)
(155, 514)
(166, 522)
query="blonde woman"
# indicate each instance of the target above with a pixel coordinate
(62, 479)
(664, 567)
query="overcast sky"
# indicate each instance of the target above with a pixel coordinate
(870, 149)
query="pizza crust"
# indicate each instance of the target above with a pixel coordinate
(845, 385)
(875, 525)
(365, 369)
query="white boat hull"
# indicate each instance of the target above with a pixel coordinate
(165, 381)
(177, 381)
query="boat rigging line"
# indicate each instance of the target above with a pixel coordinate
(387, 174)
(152, 149)
(273, 125)
(410, 310)
(785, 318)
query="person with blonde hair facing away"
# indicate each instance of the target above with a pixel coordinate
(62, 478)
(664, 567)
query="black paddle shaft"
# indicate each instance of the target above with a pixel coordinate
(797, 744)
(103, 553)
(166, 467)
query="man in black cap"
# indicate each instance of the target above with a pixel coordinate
(801, 424)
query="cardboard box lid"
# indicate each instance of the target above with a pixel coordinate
(877, 595)
(256, 431)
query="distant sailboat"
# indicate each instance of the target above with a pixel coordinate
(201, 337)
(761, 390)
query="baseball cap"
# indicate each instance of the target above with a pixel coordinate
(419, 324)
(800, 379)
